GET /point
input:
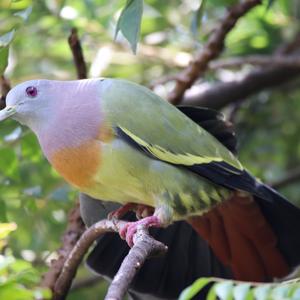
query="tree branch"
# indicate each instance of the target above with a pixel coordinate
(74, 230)
(224, 93)
(210, 51)
(77, 52)
(5, 87)
(144, 246)
(291, 177)
(292, 61)
(221, 94)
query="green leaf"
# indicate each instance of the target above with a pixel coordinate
(21, 4)
(281, 291)
(242, 291)
(3, 59)
(6, 229)
(24, 14)
(224, 290)
(212, 294)
(192, 290)
(129, 22)
(5, 39)
(262, 292)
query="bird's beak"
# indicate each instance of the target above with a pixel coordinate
(7, 112)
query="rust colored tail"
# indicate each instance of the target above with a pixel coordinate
(242, 239)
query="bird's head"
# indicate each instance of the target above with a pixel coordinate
(29, 103)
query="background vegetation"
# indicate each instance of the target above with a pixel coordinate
(34, 200)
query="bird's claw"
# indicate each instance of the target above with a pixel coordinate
(129, 230)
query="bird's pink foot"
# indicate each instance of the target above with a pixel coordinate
(120, 212)
(128, 231)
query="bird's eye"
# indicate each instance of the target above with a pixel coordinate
(31, 91)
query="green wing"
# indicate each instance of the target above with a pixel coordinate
(160, 128)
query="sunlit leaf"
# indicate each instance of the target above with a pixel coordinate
(242, 291)
(234, 290)
(21, 4)
(262, 292)
(129, 22)
(6, 229)
(4, 4)
(224, 290)
(192, 290)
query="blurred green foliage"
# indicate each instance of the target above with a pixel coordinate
(33, 195)
(234, 290)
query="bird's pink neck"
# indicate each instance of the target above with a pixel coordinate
(75, 121)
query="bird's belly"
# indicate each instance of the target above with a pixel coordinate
(79, 164)
(122, 176)
(127, 175)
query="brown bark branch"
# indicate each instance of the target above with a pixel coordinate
(222, 94)
(211, 50)
(291, 177)
(4, 87)
(144, 246)
(71, 235)
(292, 61)
(77, 52)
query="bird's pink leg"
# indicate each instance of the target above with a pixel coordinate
(129, 230)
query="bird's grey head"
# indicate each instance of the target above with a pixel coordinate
(29, 102)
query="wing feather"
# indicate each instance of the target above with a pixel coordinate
(160, 128)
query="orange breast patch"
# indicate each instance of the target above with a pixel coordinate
(79, 164)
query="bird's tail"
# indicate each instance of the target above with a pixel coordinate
(257, 238)
(284, 218)
(188, 258)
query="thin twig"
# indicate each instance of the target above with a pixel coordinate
(211, 50)
(292, 61)
(4, 87)
(144, 246)
(291, 177)
(77, 52)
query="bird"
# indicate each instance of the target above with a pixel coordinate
(118, 141)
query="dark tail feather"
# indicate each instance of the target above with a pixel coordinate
(284, 219)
